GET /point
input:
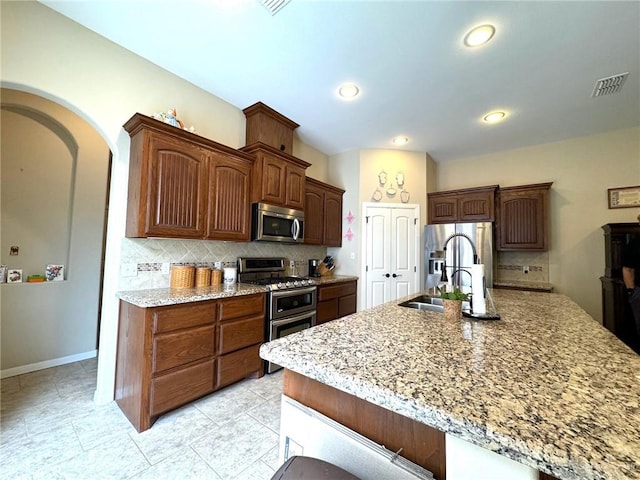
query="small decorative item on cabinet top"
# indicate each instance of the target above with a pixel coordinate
(54, 273)
(171, 117)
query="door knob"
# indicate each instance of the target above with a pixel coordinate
(386, 275)
(394, 275)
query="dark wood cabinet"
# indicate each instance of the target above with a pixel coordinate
(323, 214)
(229, 207)
(182, 185)
(523, 218)
(265, 125)
(278, 178)
(168, 356)
(336, 300)
(617, 316)
(464, 205)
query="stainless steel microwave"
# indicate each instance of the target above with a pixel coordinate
(277, 224)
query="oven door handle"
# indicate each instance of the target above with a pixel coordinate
(302, 316)
(287, 293)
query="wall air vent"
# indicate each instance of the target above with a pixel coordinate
(606, 86)
(274, 6)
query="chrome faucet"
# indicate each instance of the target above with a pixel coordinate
(476, 260)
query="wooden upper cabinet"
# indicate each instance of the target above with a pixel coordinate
(166, 187)
(265, 125)
(333, 218)
(278, 178)
(465, 205)
(313, 213)
(523, 217)
(443, 207)
(295, 187)
(183, 185)
(322, 214)
(229, 212)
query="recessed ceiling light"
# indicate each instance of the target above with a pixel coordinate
(494, 117)
(348, 90)
(479, 35)
(400, 140)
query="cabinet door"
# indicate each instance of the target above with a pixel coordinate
(443, 208)
(332, 219)
(522, 219)
(229, 212)
(295, 183)
(476, 207)
(313, 215)
(273, 185)
(176, 197)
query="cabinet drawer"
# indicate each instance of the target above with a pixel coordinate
(242, 306)
(188, 315)
(179, 348)
(241, 333)
(177, 388)
(347, 305)
(237, 365)
(328, 292)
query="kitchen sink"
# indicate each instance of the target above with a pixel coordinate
(425, 302)
(435, 304)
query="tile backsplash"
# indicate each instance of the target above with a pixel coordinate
(509, 267)
(143, 258)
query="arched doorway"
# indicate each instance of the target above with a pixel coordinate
(55, 178)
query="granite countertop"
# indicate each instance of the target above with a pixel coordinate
(546, 385)
(157, 297)
(533, 286)
(334, 279)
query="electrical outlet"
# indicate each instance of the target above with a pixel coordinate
(218, 265)
(525, 269)
(129, 269)
(352, 255)
(165, 269)
(292, 264)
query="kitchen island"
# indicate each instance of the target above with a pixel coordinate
(546, 386)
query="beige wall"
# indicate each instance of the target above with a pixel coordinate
(581, 169)
(54, 179)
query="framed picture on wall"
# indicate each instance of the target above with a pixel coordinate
(54, 273)
(624, 197)
(14, 275)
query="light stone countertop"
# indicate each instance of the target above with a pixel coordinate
(546, 385)
(157, 297)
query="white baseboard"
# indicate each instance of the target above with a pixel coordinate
(32, 367)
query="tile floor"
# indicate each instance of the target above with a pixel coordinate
(51, 429)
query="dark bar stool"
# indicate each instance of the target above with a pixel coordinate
(299, 468)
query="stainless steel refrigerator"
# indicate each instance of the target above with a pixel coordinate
(458, 238)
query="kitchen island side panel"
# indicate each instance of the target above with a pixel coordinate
(421, 444)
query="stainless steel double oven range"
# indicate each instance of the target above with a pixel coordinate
(291, 301)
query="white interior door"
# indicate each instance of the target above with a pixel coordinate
(392, 239)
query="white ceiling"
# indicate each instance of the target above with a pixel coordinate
(416, 77)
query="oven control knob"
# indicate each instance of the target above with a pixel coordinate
(296, 283)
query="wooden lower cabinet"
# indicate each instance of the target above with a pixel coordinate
(234, 366)
(336, 300)
(168, 356)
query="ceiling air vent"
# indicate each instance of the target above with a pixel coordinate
(608, 85)
(274, 6)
